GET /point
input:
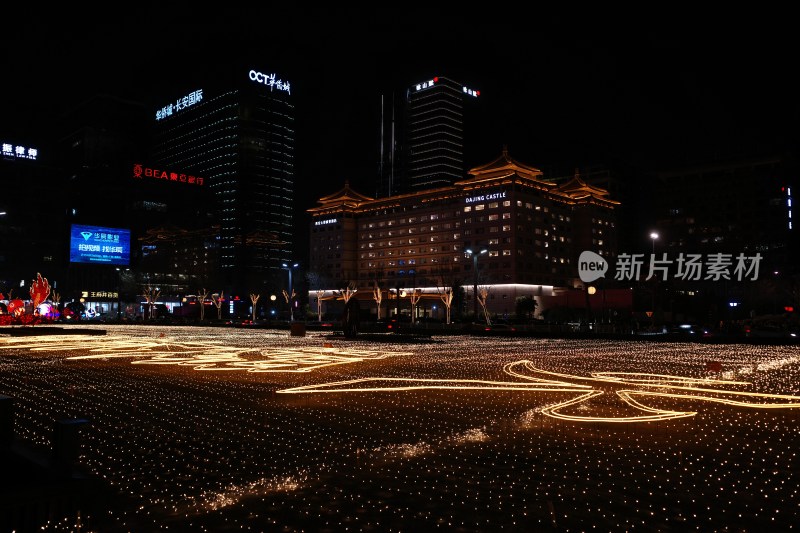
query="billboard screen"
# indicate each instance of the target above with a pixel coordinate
(98, 245)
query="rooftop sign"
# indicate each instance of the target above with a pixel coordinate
(19, 152)
(181, 103)
(426, 84)
(270, 81)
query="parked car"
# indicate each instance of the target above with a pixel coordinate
(500, 329)
(317, 324)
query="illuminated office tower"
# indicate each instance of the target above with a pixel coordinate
(434, 145)
(239, 138)
(422, 136)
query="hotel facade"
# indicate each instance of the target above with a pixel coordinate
(420, 244)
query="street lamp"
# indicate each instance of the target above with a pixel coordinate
(119, 292)
(653, 237)
(475, 279)
(289, 269)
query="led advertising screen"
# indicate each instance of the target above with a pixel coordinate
(98, 245)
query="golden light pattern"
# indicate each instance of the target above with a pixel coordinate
(232, 494)
(692, 387)
(202, 355)
(222, 451)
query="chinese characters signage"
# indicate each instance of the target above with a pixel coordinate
(181, 103)
(426, 84)
(270, 81)
(140, 171)
(19, 152)
(690, 267)
(100, 294)
(471, 92)
(325, 222)
(99, 245)
(686, 267)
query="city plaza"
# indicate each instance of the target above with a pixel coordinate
(234, 429)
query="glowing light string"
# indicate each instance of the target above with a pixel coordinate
(540, 384)
(204, 355)
(213, 355)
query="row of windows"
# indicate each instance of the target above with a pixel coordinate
(457, 237)
(467, 209)
(507, 203)
(455, 259)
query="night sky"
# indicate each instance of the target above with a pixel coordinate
(560, 89)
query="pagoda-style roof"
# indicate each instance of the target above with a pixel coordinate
(344, 197)
(577, 189)
(505, 167)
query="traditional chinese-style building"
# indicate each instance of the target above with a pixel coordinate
(422, 243)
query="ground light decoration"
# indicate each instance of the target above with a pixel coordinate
(679, 387)
(632, 389)
(215, 453)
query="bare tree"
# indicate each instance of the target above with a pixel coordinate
(377, 295)
(320, 293)
(446, 296)
(415, 296)
(217, 300)
(347, 292)
(202, 295)
(316, 282)
(254, 300)
(483, 295)
(289, 299)
(446, 291)
(150, 296)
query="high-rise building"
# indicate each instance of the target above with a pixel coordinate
(99, 140)
(422, 137)
(30, 218)
(239, 137)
